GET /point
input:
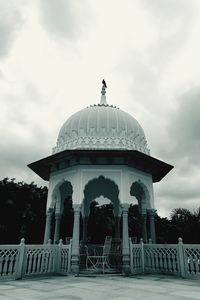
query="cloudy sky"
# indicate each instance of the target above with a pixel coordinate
(53, 56)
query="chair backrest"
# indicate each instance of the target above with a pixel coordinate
(107, 245)
(68, 239)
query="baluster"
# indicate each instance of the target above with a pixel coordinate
(169, 262)
(42, 270)
(151, 259)
(29, 256)
(188, 264)
(34, 262)
(50, 262)
(15, 262)
(38, 269)
(192, 265)
(61, 259)
(198, 268)
(139, 258)
(195, 259)
(147, 260)
(5, 267)
(66, 256)
(161, 260)
(47, 261)
(164, 261)
(174, 265)
(1, 265)
(10, 267)
(134, 258)
(54, 260)
(156, 259)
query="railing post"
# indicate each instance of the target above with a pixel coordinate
(131, 255)
(20, 264)
(58, 257)
(69, 256)
(181, 258)
(142, 254)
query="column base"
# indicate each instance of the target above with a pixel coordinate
(126, 270)
(74, 265)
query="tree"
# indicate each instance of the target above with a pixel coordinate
(22, 212)
(185, 224)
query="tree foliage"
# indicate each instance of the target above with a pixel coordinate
(22, 214)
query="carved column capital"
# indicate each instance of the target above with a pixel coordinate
(151, 212)
(125, 207)
(49, 212)
(77, 208)
(58, 216)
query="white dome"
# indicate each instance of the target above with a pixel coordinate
(101, 127)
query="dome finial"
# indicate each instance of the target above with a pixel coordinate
(103, 93)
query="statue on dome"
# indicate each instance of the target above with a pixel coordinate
(104, 84)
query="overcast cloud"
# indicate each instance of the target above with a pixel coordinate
(53, 56)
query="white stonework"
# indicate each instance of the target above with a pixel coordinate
(101, 127)
(79, 176)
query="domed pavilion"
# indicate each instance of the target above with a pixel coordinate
(101, 151)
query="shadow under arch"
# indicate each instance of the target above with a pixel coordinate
(63, 206)
(101, 186)
(101, 221)
(139, 190)
(138, 211)
(64, 186)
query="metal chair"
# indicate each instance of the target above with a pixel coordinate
(99, 259)
(68, 239)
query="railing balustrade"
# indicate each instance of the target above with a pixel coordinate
(9, 257)
(21, 261)
(175, 259)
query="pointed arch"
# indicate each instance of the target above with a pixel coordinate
(62, 189)
(140, 191)
(101, 186)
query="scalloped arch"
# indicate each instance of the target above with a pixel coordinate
(56, 193)
(101, 186)
(145, 195)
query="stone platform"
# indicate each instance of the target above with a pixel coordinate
(100, 288)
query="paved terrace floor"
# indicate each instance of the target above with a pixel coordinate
(96, 288)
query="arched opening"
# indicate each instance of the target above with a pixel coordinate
(138, 212)
(100, 208)
(67, 212)
(101, 221)
(63, 215)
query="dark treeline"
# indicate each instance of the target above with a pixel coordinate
(22, 214)
(181, 223)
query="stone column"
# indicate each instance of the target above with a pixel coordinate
(117, 227)
(125, 240)
(144, 227)
(75, 240)
(47, 234)
(85, 222)
(151, 213)
(57, 228)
